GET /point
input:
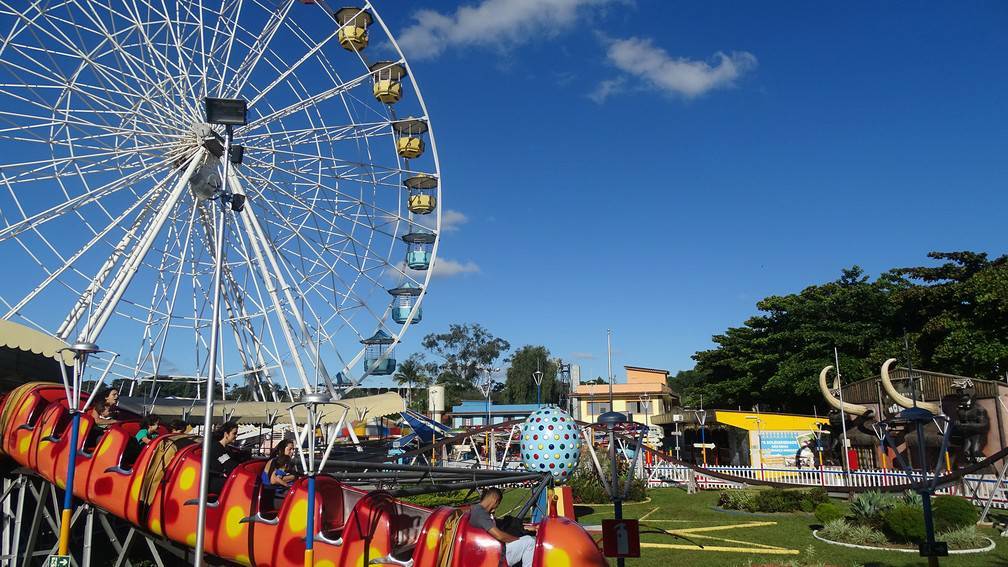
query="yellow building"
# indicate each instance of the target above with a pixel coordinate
(644, 395)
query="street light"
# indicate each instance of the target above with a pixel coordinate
(227, 113)
(611, 420)
(537, 376)
(486, 387)
(72, 385)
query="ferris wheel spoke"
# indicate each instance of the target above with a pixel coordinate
(307, 208)
(313, 100)
(243, 71)
(171, 301)
(168, 69)
(67, 206)
(264, 309)
(121, 279)
(92, 60)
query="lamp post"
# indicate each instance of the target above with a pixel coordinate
(72, 385)
(229, 113)
(610, 420)
(537, 376)
(311, 401)
(486, 387)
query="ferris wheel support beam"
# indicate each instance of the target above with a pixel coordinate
(273, 278)
(100, 316)
(86, 298)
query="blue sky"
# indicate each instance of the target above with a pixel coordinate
(657, 167)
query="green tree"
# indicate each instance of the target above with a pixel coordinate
(412, 373)
(463, 349)
(520, 387)
(953, 315)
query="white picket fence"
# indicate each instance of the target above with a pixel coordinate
(977, 487)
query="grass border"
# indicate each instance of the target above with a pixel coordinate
(815, 534)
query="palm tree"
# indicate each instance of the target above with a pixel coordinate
(411, 371)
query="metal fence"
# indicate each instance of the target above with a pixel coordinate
(980, 488)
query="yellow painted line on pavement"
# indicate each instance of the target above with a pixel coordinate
(776, 551)
(648, 514)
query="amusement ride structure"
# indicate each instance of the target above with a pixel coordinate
(206, 200)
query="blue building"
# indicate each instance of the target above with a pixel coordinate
(473, 413)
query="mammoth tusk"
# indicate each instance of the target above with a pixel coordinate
(899, 398)
(854, 409)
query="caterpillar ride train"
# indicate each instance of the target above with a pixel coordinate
(158, 493)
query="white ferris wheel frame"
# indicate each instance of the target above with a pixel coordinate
(156, 213)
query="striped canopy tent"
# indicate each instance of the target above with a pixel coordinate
(28, 355)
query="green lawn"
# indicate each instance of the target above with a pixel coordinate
(671, 509)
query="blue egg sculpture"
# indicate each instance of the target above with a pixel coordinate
(550, 442)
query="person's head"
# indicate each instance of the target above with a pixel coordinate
(150, 422)
(285, 447)
(103, 409)
(281, 461)
(179, 426)
(491, 498)
(226, 433)
(109, 395)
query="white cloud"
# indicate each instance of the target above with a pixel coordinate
(607, 88)
(583, 355)
(451, 219)
(445, 268)
(491, 22)
(677, 75)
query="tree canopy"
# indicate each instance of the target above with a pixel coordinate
(954, 317)
(520, 387)
(463, 349)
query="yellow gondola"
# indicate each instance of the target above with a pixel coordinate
(409, 143)
(388, 81)
(422, 193)
(354, 22)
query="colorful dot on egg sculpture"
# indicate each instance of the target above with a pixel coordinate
(537, 459)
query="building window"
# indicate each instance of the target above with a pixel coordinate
(598, 408)
(641, 408)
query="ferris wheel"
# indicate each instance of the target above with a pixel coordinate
(113, 176)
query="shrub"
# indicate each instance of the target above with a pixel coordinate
(904, 523)
(963, 538)
(587, 486)
(836, 530)
(451, 498)
(866, 535)
(773, 500)
(738, 500)
(840, 530)
(828, 512)
(913, 498)
(952, 512)
(867, 508)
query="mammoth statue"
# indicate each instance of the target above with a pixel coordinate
(859, 422)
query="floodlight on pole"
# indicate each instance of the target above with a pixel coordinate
(226, 111)
(229, 113)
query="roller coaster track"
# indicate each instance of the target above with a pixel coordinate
(156, 496)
